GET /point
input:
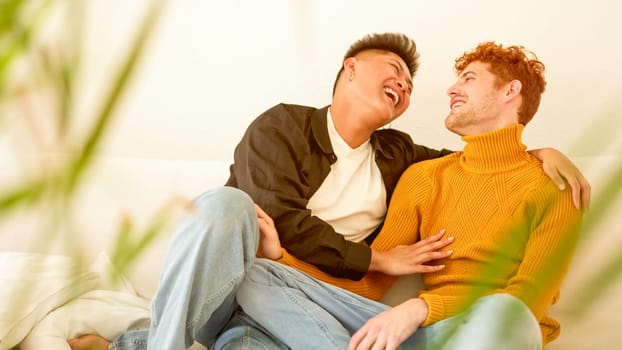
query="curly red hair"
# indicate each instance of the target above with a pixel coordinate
(507, 64)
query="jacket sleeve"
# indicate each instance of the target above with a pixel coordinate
(271, 164)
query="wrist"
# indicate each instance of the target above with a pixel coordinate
(375, 263)
(419, 309)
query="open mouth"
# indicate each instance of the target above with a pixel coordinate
(393, 95)
(456, 103)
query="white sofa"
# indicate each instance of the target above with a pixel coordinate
(122, 187)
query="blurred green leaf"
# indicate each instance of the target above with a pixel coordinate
(110, 101)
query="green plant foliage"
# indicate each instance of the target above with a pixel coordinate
(51, 193)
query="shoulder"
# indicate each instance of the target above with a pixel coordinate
(283, 112)
(394, 145)
(283, 118)
(437, 165)
(425, 173)
(543, 196)
(392, 136)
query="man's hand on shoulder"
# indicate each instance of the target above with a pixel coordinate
(561, 170)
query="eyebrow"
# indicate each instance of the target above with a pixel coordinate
(469, 72)
(401, 69)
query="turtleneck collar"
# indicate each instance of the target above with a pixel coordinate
(494, 151)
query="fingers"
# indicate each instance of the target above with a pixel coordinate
(581, 192)
(436, 255)
(263, 217)
(554, 173)
(433, 238)
(581, 196)
(262, 214)
(367, 343)
(433, 242)
(442, 243)
(430, 268)
(380, 344)
(576, 196)
(356, 339)
(436, 236)
(363, 339)
(422, 259)
(586, 195)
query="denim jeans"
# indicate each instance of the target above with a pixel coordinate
(206, 262)
(306, 313)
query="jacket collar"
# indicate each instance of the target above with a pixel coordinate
(320, 130)
(377, 145)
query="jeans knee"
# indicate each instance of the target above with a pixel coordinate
(515, 315)
(224, 202)
(508, 302)
(221, 218)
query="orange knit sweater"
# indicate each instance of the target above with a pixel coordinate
(514, 230)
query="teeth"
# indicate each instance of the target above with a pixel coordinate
(457, 104)
(394, 95)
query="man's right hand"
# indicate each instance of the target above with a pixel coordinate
(409, 259)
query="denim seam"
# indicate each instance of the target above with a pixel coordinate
(224, 290)
(293, 298)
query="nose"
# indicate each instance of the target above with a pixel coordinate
(452, 90)
(401, 84)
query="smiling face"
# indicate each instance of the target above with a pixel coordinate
(381, 83)
(476, 101)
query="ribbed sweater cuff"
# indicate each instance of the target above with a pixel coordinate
(436, 308)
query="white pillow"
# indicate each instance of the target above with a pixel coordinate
(109, 310)
(32, 285)
(103, 312)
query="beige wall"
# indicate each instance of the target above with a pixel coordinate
(214, 66)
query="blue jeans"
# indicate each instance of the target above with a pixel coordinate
(306, 313)
(206, 262)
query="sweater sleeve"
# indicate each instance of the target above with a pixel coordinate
(554, 225)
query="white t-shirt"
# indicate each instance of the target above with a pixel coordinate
(352, 198)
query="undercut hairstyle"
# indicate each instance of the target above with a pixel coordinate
(398, 43)
(507, 64)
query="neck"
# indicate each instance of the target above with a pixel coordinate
(346, 119)
(495, 151)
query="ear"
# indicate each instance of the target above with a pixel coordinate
(349, 64)
(513, 89)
